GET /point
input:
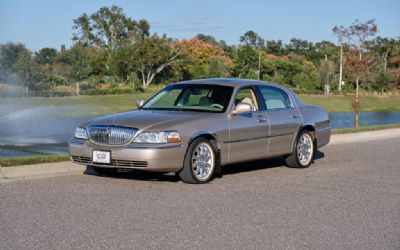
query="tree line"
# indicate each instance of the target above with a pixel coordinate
(112, 48)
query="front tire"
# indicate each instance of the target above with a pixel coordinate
(200, 162)
(303, 151)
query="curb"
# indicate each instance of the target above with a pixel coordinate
(35, 171)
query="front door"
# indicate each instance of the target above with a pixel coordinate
(248, 132)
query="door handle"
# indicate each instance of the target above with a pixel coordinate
(261, 120)
(294, 116)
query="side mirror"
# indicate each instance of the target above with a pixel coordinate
(241, 107)
(139, 103)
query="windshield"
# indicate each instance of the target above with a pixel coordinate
(195, 97)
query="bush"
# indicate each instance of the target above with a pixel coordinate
(96, 79)
(309, 91)
(113, 91)
(54, 80)
(35, 94)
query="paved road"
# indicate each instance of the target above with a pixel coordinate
(349, 199)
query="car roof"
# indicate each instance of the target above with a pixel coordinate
(233, 82)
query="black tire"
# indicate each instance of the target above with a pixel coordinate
(104, 171)
(187, 174)
(293, 160)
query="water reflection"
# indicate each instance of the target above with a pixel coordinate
(370, 118)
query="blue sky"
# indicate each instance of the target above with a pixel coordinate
(48, 23)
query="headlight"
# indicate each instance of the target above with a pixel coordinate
(80, 133)
(157, 137)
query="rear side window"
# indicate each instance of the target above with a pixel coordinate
(275, 98)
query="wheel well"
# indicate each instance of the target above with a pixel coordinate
(311, 129)
(216, 145)
(206, 136)
(308, 128)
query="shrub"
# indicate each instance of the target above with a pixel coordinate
(113, 91)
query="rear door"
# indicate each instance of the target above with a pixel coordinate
(284, 120)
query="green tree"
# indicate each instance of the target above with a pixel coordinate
(219, 66)
(207, 38)
(9, 54)
(246, 62)
(46, 56)
(301, 47)
(148, 56)
(252, 39)
(17, 65)
(80, 60)
(107, 29)
(382, 81)
(325, 49)
(275, 47)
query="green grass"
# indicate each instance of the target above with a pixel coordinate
(364, 128)
(343, 103)
(28, 160)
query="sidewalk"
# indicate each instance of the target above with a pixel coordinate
(40, 171)
(365, 136)
(68, 168)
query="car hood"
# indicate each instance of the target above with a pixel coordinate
(146, 119)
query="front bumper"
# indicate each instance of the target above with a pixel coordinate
(157, 158)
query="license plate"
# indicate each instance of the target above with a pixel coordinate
(101, 156)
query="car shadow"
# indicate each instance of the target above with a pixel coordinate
(260, 164)
(138, 175)
(236, 168)
(319, 155)
(250, 166)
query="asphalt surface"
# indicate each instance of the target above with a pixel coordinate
(348, 199)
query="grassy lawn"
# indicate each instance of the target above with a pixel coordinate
(77, 106)
(28, 160)
(343, 103)
(364, 129)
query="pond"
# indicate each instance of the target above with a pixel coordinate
(43, 131)
(370, 118)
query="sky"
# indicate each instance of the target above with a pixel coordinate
(48, 23)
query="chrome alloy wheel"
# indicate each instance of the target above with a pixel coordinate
(305, 149)
(203, 162)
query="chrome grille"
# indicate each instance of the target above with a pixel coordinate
(111, 135)
(114, 162)
(81, 159)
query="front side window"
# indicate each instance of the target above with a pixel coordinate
(247, 95)
(275, 98)
(194, 97)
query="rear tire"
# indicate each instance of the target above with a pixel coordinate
(105, 171)
(200, 162)
(303, 151)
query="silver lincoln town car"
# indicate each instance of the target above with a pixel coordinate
(194, 127)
